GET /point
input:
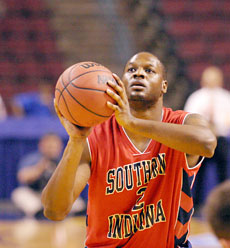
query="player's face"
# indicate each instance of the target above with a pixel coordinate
(143, 78)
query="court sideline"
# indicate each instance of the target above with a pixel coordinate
(70, 233)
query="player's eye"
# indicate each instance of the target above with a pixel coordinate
(131, 69)
(148, 70)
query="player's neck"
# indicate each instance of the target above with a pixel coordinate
(153, 112)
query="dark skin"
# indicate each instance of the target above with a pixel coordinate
(145, 86)
(138, 108)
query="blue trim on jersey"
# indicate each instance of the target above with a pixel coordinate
(187, 182)
(180, 242)
(184, 216)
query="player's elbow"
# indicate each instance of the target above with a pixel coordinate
(210, 146)
(54, 215)
(54, 210)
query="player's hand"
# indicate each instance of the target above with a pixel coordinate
(73, 131)
(121, 108)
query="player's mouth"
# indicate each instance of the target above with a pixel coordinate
(137, 85)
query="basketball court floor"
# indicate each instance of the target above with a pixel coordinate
(70, 233)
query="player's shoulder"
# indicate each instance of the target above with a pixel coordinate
(174, 116)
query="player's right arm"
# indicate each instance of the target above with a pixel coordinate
(71, 174)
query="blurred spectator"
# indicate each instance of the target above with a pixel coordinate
(34, 103)
(3, 113)
(213, 102)
(34, 171)
(217, 211)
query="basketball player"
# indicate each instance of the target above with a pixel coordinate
(217, 210)
(140, 165)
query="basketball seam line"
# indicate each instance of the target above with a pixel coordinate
(65, 86)
(71, 71)
(81, 88)
(62, 89)
(104, 116)
(68, 108)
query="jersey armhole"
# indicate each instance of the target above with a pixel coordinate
(195, 167)
(185, 117)
(201, 158)
(90, 153)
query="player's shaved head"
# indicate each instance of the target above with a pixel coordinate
(152, 58)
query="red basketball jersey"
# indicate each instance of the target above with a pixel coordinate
(137, 199)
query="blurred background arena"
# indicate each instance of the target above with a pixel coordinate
(40, 38)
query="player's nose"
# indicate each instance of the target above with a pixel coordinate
(139, 73)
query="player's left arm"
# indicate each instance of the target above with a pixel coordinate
(196, 120)
(195, 137)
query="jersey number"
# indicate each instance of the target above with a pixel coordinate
(139, 204)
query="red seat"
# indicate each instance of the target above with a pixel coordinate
(226, 28)
(226, 69)
(221, 48)
(3, 46)
(53, 68)
(203, 7)
(40, 25)
(195, 70)
(225, 6)
(180, 28)
(210, 26)
(13, 5)
(45, 46)
(15, 24)
(29, 69)
(7, 69)
(191, 49)
(6, 88)
(18, 45)
(170, 7)
(37, 5)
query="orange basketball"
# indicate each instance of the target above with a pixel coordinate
(80, 93)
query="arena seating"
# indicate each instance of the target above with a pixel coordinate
(147, 20)
(28, 47)
(201, 33)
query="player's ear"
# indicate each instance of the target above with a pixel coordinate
(164, 86)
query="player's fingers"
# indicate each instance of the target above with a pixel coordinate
(60, 116)
(118, 80)
(113, 106)
(119, 89)
(57, 109)
(65, 122)
(122, 87)
(55, 103)
(115, 96)
(115, 86)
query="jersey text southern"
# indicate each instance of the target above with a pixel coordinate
(123, 177)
